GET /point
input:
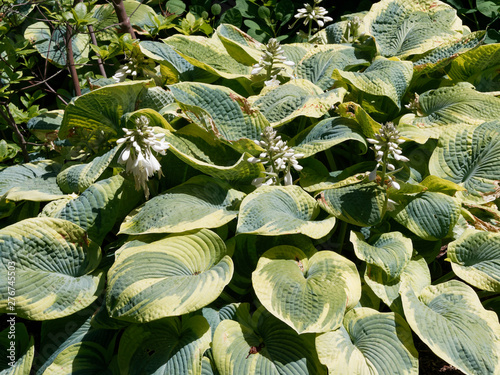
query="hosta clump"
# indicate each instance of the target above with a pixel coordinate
(279, 157)
(273, 55)
(137, 154)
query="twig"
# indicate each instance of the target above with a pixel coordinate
(71, 60)
(123, 18)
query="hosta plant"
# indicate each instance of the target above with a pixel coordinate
(324, 207)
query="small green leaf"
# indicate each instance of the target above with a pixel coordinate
(278, 210)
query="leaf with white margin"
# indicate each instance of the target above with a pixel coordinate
(309, 293)
(19, 360)
(319, 63)
(262, 344)
(77, 178)
(369, 342)
(478, 66)
(70, 345)
(209, 54)
(447, 107)
(468, 156)
(440, 57)
(31, 181)
(178, 66)
(298, 97)
(202, 151)
(450, 319)
(416, 271)
(326, 134)
(55, 265)
(97, 208)
(201, 202)
(165, 346)
(389, 251)
(100, 110)
(429, 215)
(239, 45)
(231, 117)
(353, 201)
(278, 210)
(475, 258)
(167, 277)
(403, 28)
(384, 77)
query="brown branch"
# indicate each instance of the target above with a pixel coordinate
(99, 60)
(11, 122)
(123, 18)
(71, 60)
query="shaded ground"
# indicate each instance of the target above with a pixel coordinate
(430, 364)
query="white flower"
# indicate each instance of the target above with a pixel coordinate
(273, 54)
(280, 159)
(137, 153)
(273, 82)
(313, 13)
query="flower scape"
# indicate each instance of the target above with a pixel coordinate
(249, 188)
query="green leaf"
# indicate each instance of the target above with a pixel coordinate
(319, 63)
(45, 126)
(446, 107)
(8, 150)
(326, 134)
(230, 115)
(450, 319)
(209, 54)
(369, 342)
(31, 181)
(278, 210)
(96, 209)
(239, 45)
(390, 251)
(429, 215)
(77, 178)
(311, 292)
(166, 346)
(298, 97)
(479, 66)
(389, 78)
(440, 185)
(55, 265)
(190, 270)
(232, 16)
(475, 258)
(403, 28)
(441, 56)
(416, 273)
(101, 109)
(263, 345)
(353, 111)
(358, 203)
(468, 156)
(70, 345)
(52, 44)
(166, 56)
(18, 348)
(202, 151)
(201, 202)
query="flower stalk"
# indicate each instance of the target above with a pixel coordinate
(273, 55)
(312, 13)
(278, 156)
